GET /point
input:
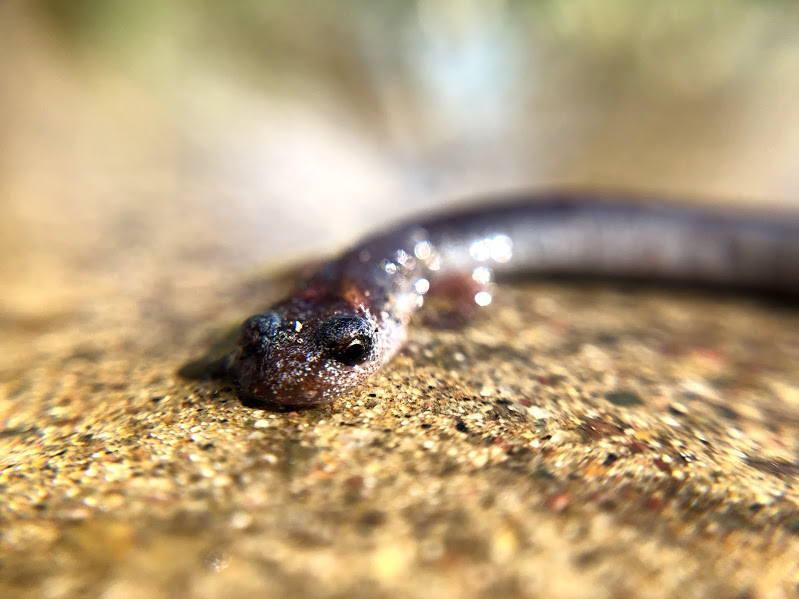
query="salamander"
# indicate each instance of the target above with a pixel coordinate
(345, 322)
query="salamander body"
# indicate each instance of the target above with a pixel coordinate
(344, 323)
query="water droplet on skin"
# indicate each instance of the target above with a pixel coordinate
(498, 248)
(481, 275)
(482, 298)
(423, 250)
(501, 248)
(402, 257)
(480, 250)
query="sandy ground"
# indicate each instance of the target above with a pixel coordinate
(635, 442)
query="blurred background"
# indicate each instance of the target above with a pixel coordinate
(152, 141)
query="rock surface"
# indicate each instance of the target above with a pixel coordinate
(631, 441)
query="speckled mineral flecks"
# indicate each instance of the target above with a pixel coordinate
(571, 437)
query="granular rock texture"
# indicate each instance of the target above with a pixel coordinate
(626, 440)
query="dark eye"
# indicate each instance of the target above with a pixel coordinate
(348, 339)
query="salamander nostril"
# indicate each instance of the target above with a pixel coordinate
(259, 330)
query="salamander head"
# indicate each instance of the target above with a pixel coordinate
(283, 360)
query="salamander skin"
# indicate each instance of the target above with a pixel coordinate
(349, 319)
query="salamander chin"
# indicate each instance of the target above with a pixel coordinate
(290, 356)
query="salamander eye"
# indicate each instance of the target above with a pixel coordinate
(348, 339)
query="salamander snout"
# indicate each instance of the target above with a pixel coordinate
(258, 331)
(293, 358)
